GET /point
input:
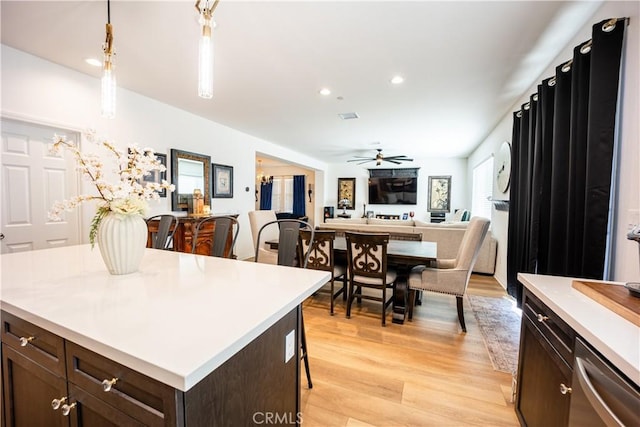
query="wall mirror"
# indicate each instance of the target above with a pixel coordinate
(189, 171)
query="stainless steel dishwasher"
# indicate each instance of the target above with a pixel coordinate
(599, 395)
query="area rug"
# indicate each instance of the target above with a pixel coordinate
(499, 323)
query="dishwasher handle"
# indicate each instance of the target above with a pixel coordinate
(594, 398)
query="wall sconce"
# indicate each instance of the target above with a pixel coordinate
(310, 192)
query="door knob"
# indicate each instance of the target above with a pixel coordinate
(1, 236)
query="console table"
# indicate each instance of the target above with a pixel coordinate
(162, 347)
(183, 237)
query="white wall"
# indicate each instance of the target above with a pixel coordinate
(460, 193)
(626, 262)
(42, 92)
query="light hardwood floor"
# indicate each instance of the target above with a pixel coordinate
(422, 373)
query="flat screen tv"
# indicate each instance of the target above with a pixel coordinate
(393, 191)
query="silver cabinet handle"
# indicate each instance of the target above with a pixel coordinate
(564, 389)
(55, 403)
(26, 340)
(66, 409)
(593, 397)
(542, 318)
(107, 384)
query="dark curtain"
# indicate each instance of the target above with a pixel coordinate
(266, 191)
(562, 163)
(299, 201)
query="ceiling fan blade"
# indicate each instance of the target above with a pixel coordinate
(392, 161)
(403, 157)
(366, 159)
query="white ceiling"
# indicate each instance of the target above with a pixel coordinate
(465, 64)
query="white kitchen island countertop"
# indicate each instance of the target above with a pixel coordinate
(176, 320)
(612, 335)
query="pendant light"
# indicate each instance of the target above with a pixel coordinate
(108, 105)
(205, 49)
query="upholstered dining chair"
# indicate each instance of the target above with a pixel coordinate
(320, 249)
(451, 276)
(256, 220)
(222, 227)
(163, 237)
(367, 268)
(288, 255)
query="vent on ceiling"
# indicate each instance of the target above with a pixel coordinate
(348, 116)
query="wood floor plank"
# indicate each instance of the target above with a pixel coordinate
(422, 373)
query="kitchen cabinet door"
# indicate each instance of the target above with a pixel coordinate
(540, 401)
(28, 390)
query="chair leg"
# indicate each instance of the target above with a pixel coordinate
(411, 303)
(461, 313)
(305, 356)
(331, 295)
(344, 287)
(350, 299)
(384, 304)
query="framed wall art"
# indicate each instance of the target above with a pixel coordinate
(439, 194)
(346, 193)
(222, 181)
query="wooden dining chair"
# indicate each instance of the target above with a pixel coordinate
(288, 255)
(367, 268)
(321, 257)
(222, 227)
(163, 237)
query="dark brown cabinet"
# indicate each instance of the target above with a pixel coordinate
(40, 367)
(545, 366)
(27, 390)
(94, 391)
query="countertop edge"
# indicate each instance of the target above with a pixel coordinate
(620, 361)
(180, 381)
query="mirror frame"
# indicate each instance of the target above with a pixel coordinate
(175, 172)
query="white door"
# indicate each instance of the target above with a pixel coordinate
(31, 180)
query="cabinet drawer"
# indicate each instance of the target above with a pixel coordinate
(553, 329)
(37, 344)
(90, 411)
(147, 400)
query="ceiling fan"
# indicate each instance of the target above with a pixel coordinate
(379, 158)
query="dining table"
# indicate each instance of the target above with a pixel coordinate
(402, 255)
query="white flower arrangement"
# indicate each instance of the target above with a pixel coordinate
(127, 196)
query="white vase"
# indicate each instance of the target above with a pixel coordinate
(122, 240)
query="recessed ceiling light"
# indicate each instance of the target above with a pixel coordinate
(324, 91)
(396, 80)
(93, 61)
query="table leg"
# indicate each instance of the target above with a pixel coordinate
(400, 297)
